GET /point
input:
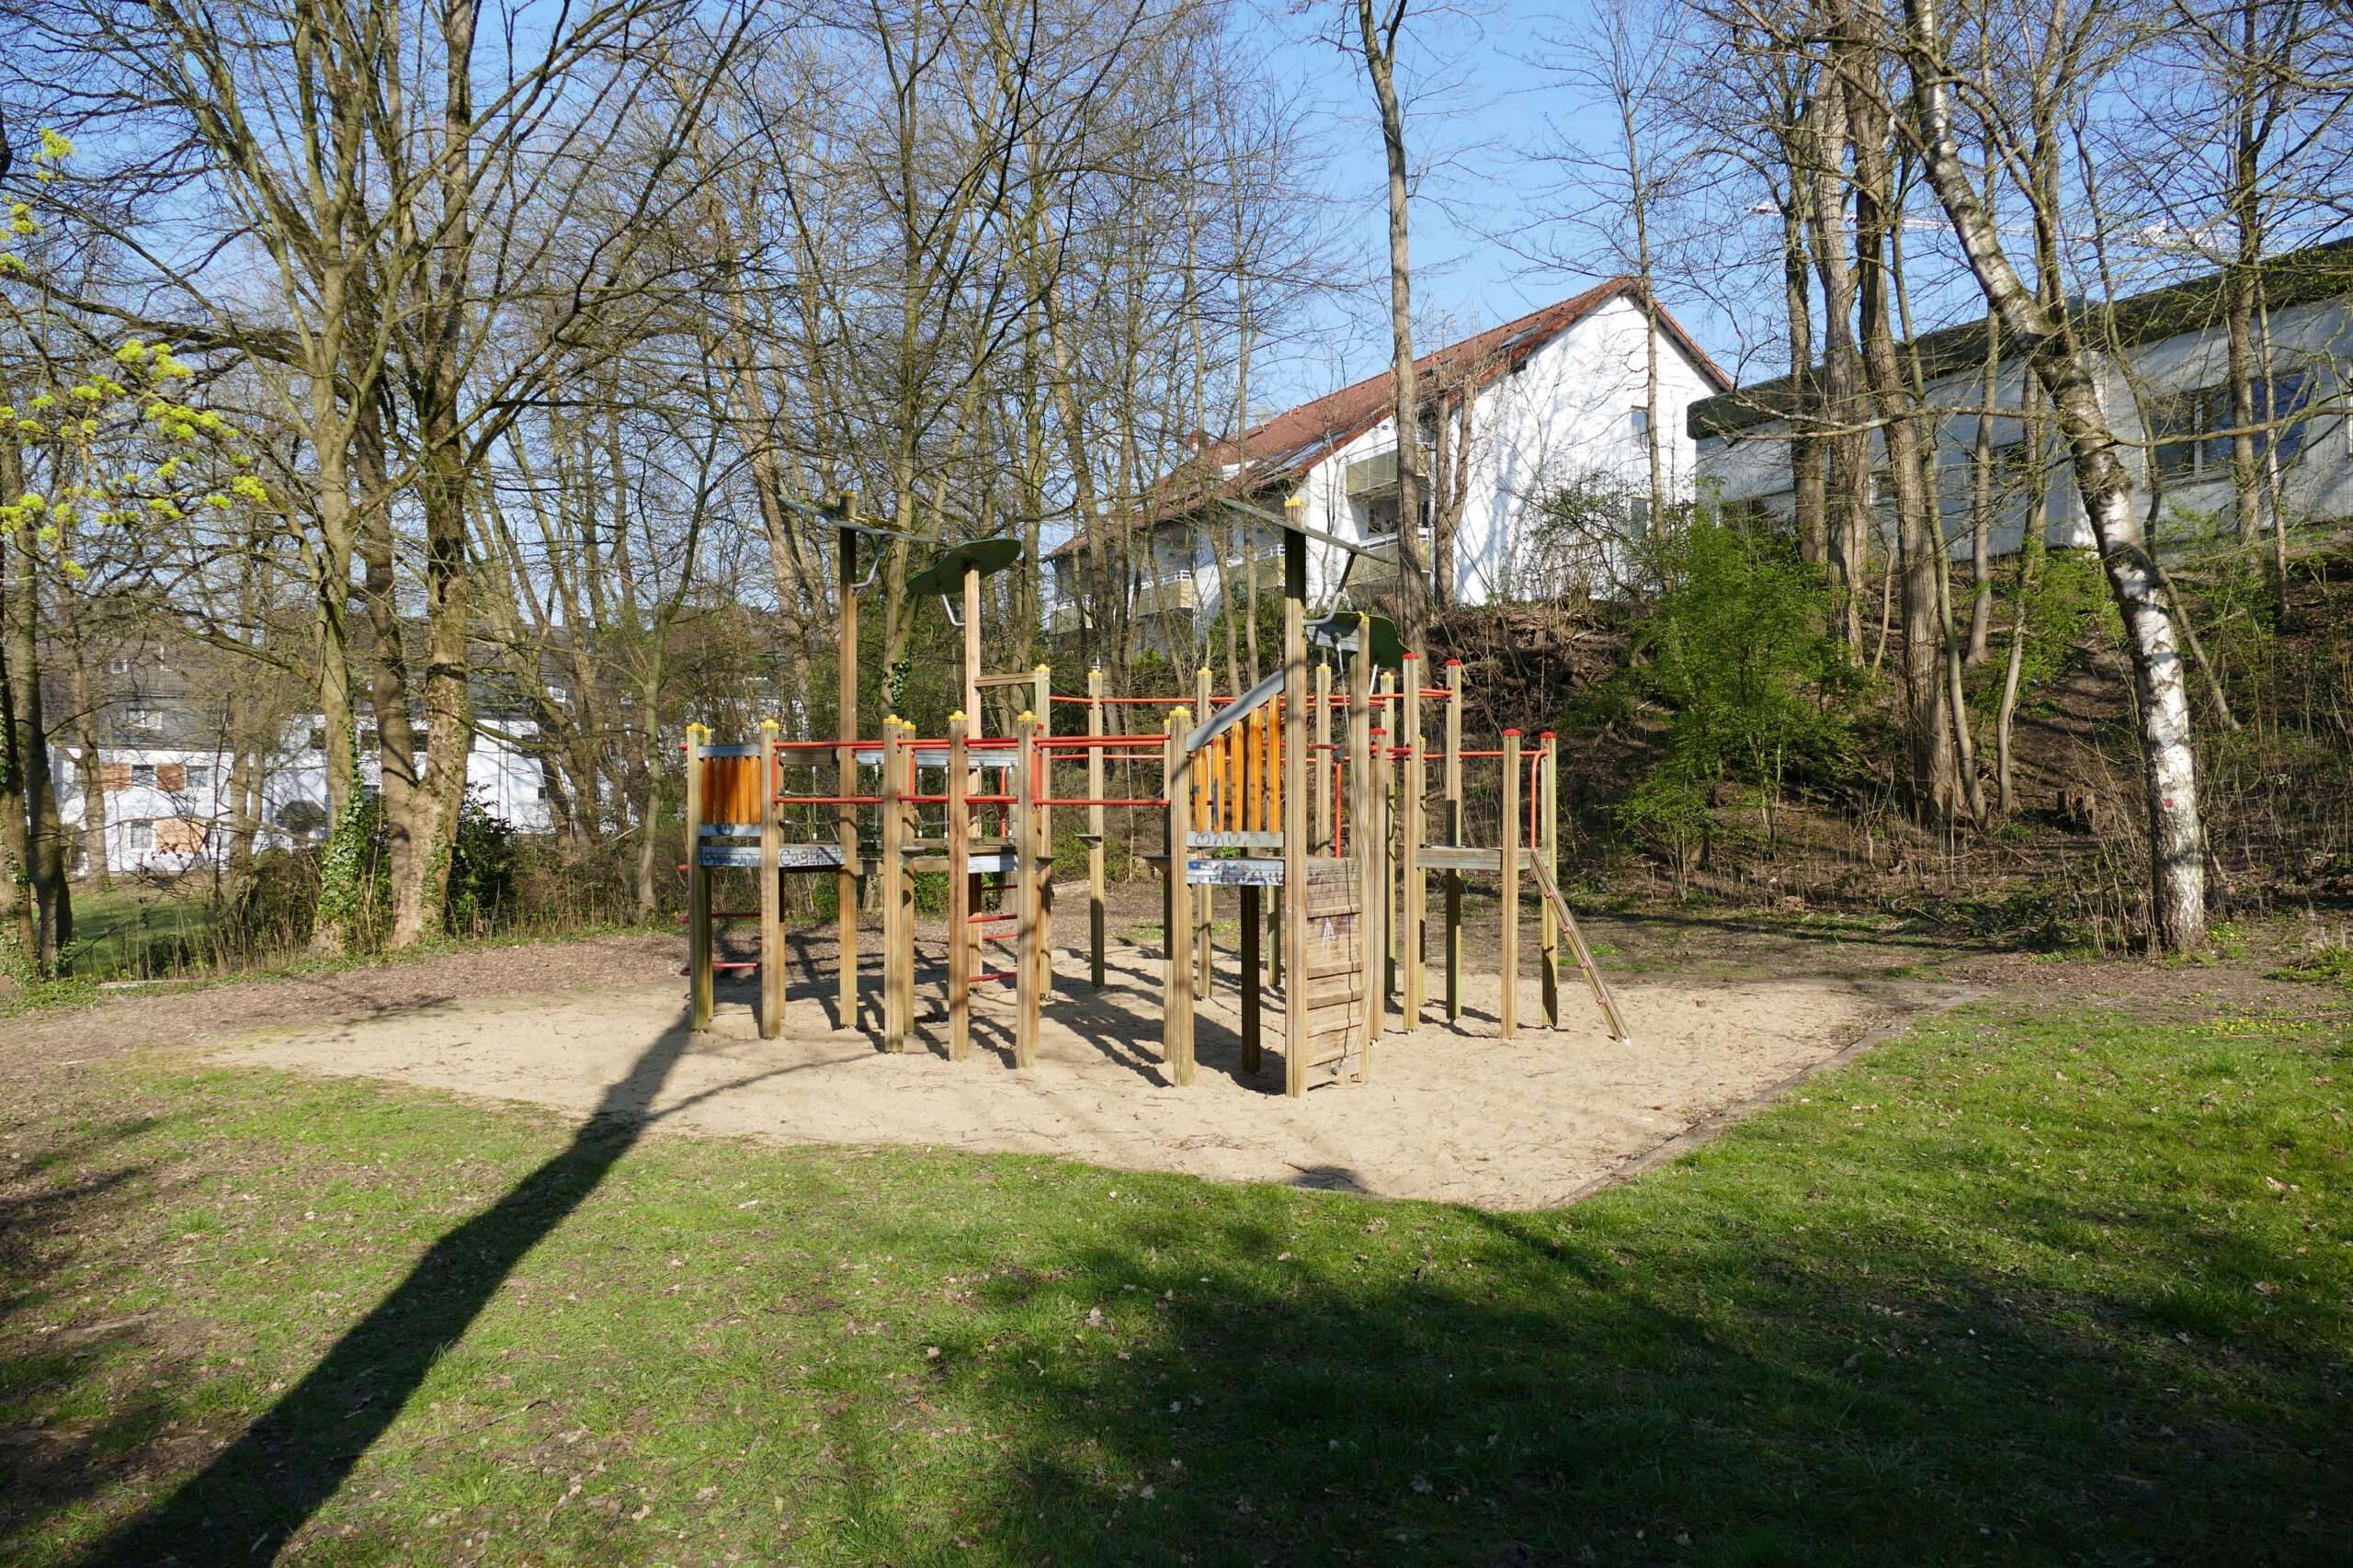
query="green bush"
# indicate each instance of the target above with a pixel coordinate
(1735, 653)
(483, 865)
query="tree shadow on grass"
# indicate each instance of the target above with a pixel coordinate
(1616, 1386)
(259, 1490)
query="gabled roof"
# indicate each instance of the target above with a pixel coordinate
(1295, 440)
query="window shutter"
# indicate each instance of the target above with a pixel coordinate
(171, 776)
(114, 776)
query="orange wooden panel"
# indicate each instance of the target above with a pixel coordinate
(1234, 780)
(730, 789)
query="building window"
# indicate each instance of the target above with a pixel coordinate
(118, 667)
(199, 777)
(139, 837)
(2182, 425)
(142, 775)
(142, 719)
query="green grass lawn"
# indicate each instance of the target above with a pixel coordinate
(2032, 1284)
(128, 931)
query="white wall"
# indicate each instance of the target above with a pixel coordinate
(1754, 463)
(1568, 410)
(508, 782)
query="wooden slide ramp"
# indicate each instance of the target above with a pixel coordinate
(1601, 997)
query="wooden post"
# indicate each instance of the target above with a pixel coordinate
(961, 945)
(1095, 902)
(1253, 982)
(1025, 883)
(898, 940)
(1204, 896)
(846, 762)
(1361, 840)
(1409, 870)
(972, 629)
(1293, 933)
(1177, 1016)
(1041, 761)
(1322, 770)
(1509, 1011)
(1384, 773)
(1454, 838)
(771, 892)
(699, 985)
(1547, 850)
(969, 595)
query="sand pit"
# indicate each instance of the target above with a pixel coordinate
(1460, 1116)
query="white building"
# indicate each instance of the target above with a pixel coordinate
(165, 784)
(1555, 398)
(2164, 393)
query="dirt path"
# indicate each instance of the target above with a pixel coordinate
(1462, 1116)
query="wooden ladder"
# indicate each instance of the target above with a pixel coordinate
(1601, 997)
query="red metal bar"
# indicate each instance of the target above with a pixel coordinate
(1441, 692)
(989, 799)
(816, 746)
(988, 974)
(1115, 801)
(735, 963)
(1076, 741)
(829, 799)
(992, 919)
(1478, 754)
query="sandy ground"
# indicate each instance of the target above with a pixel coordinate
(1458, 1115)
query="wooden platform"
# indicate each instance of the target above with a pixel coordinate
(1447, 857)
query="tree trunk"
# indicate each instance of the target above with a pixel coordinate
(2069, 375)
(1379, 43)
(1918, 538)
(1847, 498)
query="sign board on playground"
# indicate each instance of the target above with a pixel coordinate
(788, 857)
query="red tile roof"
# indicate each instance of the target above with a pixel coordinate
(1298, 438)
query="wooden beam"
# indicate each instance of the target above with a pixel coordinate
(1409, 870)
(1203, 772)
(1454, 839)
(1322, 737)
(1583, 954)
(1042, 759)
(1253, 1045)
(1508, 1012)
(961, 945)
(1547, 855)
(700, 1000)
(898, 939)
(846, 759)
(1026, 990)
(1359, 830)
(1095, 886)
(1176, 1003)
(1384, 774)
(1293, 932)
(771, 890)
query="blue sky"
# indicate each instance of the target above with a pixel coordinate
(1479, 103)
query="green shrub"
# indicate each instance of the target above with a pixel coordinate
(483, 861)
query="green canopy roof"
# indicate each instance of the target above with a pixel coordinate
(1339, 631)
(946, 575)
